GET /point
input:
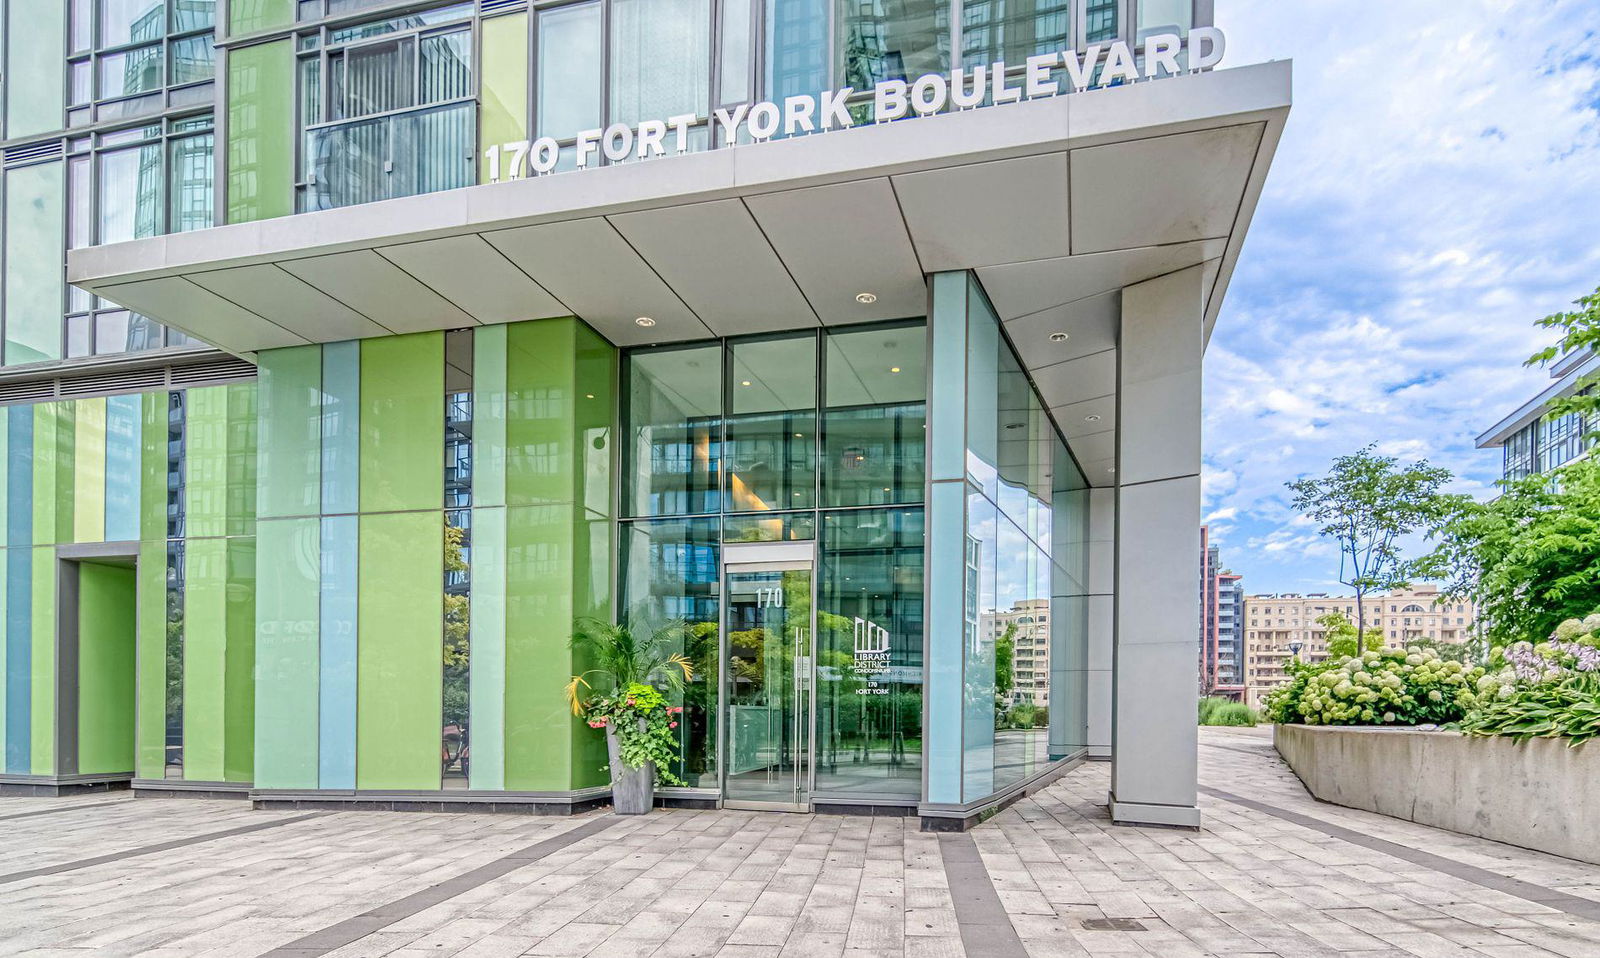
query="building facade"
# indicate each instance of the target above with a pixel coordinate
(1221, 614)
(1529, 442)
(354, 351)
(1278, 628)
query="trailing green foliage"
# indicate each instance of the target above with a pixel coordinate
(1580, 329)
(1387, 687)
(1220, 711)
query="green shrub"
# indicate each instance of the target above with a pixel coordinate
(1387, 687)
(1221, 711)
(1567, 709)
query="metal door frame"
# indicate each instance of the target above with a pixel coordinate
(766, 557)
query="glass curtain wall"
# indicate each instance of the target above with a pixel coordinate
(811, 436)
(455, 743)
(132, 58)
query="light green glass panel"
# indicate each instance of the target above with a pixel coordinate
(489, 416)
(153, 467)
(106, 634)
(206, 461)
(43, 719)
(89, 472)
(399, 667)
(594, 406)
(539, 662)
(287, 620)
(261, 131)
(204, 658)
(487, 678)
(504, 116)
(249, 16)
(539, 412)
(5, 517)
(34, 277)
(240, 503)
(152, 668)
(53, 454)
(289, 461)
(239, 689)
(402, 423)
(35, 42)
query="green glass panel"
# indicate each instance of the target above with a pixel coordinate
(289, 462)
(487, 678)
(239, 690)
(107, 626)
(882, 41)
(36, 43)
(240, 505)
(43, 719)
(89, 472)
(771, 433)
(504, 116)
(152, 668)
(539, 412)
(261, 131)
(539, 662)
(206, 463)
(874, 440)
(34, 277)
(54, 435)
(399, 634)
(594, 405)
(205, 649)
(153, 467)
(489, 416)
(402, 423)
(249, 16)
(287, 623)
(1011, 32)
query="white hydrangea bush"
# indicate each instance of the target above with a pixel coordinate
(1391, 686)
(1573, 649)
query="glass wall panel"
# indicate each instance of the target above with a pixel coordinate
(771, 431)
(797, 48)
(570, 65)
(505, 84)
(194, 14)
(874, 428)
(733, 64)
(674, 438)
(1102, 21)
(980, 665)
(34, 272)
(869, 654)
(889, 39)
(1165, 16)
(260, 127)
(130, 193)
(669, 575)
(1010, 31)
(193, 59)
(455, 742)
(136, 71)
(130, 21)
(660, 59)
(35, 36)
(190, 197)
(790, 526)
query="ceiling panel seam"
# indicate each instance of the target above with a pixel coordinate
(815, 316)
(651, 267)
(238, 307)
(293, 278)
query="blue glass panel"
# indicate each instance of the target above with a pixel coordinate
(341, 427)
(19, 591)
(337, 689)
(122, 468)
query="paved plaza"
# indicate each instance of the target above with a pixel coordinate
(1272, 873)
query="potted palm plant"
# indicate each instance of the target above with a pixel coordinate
(623, 694)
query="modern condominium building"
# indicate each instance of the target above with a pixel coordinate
(355, 350)
(1531, 443)
(1221, 617)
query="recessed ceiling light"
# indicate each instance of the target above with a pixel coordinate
(798, 436)
(866, 299)
(1091, 418)
(894, 369)
(744, 382)
(645, 321)
(1058, 337)
(588, 395)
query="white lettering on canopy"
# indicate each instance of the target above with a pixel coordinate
(1043, 75)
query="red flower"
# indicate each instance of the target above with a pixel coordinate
(672, 725)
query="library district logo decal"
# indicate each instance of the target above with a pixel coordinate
(1100, 65)
(872, 656)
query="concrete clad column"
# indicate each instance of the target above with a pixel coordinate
(1101, 616)
(1156, 603)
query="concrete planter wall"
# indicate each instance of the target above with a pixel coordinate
(1538, 794)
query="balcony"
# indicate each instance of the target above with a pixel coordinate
(382, 157)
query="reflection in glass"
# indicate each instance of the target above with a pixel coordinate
(733, 65)
(769, 665)
(669, 570)
(1165, 16)
(129, 21)
(797, 47)
(875, 437)
(174, 617)
(1100, 21)
(130, 193)
(981, 670)
(569, 70)
(771, 432)
(193, 14)
(660, 59)
(132, 72)
(869, 654)
(455, 745)
(892, 39)
(1010, 31)
(788, 526)
(191, 196)
(674, 412)
(193, 59)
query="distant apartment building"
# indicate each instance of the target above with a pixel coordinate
(1030, 663)
(1277, 627)
(1221, 617)
(1530, 443)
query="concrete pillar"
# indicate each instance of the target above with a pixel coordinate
(1156, 603)
(1101, 616)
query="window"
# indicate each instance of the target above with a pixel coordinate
(387, 108)
(132, 184)
(132, 58)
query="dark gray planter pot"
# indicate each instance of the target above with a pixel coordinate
(633, 790)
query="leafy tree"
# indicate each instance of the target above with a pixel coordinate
(1367, 502)
(1580, 329)
(1005, 676)
(1530, 558)
(1343, 636)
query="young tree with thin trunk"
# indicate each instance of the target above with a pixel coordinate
(1367, 502)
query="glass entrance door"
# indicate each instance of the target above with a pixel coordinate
(767, 692)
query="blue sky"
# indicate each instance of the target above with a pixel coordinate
(1436, 191)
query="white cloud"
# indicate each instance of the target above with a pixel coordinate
(1431, 197)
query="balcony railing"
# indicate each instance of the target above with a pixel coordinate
(390, 155)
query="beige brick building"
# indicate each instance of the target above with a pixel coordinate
(1273, 624)
(1032, 663)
